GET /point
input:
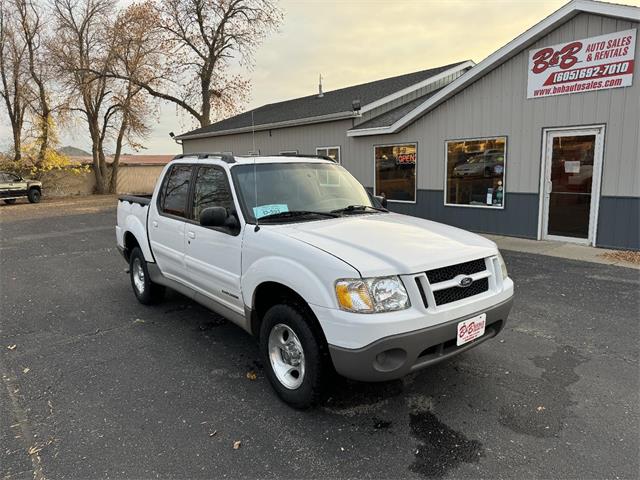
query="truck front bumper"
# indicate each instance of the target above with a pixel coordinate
(397, 355)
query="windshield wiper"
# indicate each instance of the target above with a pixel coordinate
(297, 213)
(358, 208)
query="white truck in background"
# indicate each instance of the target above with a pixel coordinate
(296, 252)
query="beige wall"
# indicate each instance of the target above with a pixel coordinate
(131, 179)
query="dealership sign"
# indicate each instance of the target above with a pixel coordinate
(595, 63)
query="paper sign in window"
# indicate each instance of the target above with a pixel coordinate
(572, 166)
(264, 210)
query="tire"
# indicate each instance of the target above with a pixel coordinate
(10, 201)
(34, 195)
(289, 326)
(147, 292)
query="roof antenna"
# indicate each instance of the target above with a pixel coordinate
(320, 94)
(255, 172)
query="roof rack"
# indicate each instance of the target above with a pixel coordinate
(225, 157)
(307, 155)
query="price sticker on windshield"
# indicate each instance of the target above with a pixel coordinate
(264, 210)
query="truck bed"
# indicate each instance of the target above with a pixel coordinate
(139, 199)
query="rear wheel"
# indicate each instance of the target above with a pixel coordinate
(145, 290)
(295, 356)
(34, 195)
(10, 201)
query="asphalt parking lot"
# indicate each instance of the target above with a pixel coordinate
(99, 386)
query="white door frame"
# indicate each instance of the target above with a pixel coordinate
(545, 182)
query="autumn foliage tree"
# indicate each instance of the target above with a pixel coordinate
(198, 45)
(110, 64)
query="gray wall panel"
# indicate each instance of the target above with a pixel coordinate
(519, 217)
(619, 223)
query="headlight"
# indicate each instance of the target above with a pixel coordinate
(372, 295)
(503, 266)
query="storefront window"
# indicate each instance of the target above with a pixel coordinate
(331, 152)
(476, 172)
(396, 172)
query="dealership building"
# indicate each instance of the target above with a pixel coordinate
(539, 140)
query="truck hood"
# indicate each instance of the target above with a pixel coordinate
(391, 244)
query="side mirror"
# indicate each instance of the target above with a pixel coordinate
(218, 217)
(381, 200)
(214, 217)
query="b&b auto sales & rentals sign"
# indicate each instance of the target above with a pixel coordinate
(595, 63)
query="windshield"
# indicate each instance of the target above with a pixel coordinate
(291, 187)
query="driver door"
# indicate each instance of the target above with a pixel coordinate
(213, 254)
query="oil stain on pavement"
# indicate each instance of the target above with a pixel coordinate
(440, 448)
(544, 408)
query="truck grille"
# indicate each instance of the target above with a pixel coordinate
(454, 294)
(452, 271)
(442, 296)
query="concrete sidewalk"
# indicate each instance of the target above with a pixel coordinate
(559, 249)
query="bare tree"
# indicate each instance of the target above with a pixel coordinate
(200, 42)
(83, 57)
(133, 53)
(14, 88)
(32, 33)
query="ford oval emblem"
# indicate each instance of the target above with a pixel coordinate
(465, 282)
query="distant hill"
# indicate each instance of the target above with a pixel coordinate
(73, 151)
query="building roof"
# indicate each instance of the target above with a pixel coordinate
(388, 118)
(332, 105)
(500, 56)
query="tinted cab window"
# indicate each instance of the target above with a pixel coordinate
(176, 191)
(211, 190)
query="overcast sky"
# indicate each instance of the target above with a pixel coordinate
(356, 41)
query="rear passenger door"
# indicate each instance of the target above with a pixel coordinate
(213, 253)
(167, 222)
(17, 185)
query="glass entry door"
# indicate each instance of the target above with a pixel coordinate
(571, 184)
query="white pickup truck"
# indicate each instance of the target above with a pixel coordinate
(296, 252)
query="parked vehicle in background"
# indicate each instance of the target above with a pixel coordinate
(295, 251)
(487, 165)
(13, 187)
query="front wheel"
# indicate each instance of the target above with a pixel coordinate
(34, 195)
(294, 354)
(146, 291)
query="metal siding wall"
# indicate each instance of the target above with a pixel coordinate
(619, 223)
(518, 219)
(497, 105)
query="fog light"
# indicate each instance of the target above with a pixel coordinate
(390, 360)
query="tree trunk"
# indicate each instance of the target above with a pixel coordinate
(17, 145)
(98, 155)
(44, 133)
(115, 165)
(205, 84)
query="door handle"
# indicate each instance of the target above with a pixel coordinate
(191, 234)
(155, 224)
